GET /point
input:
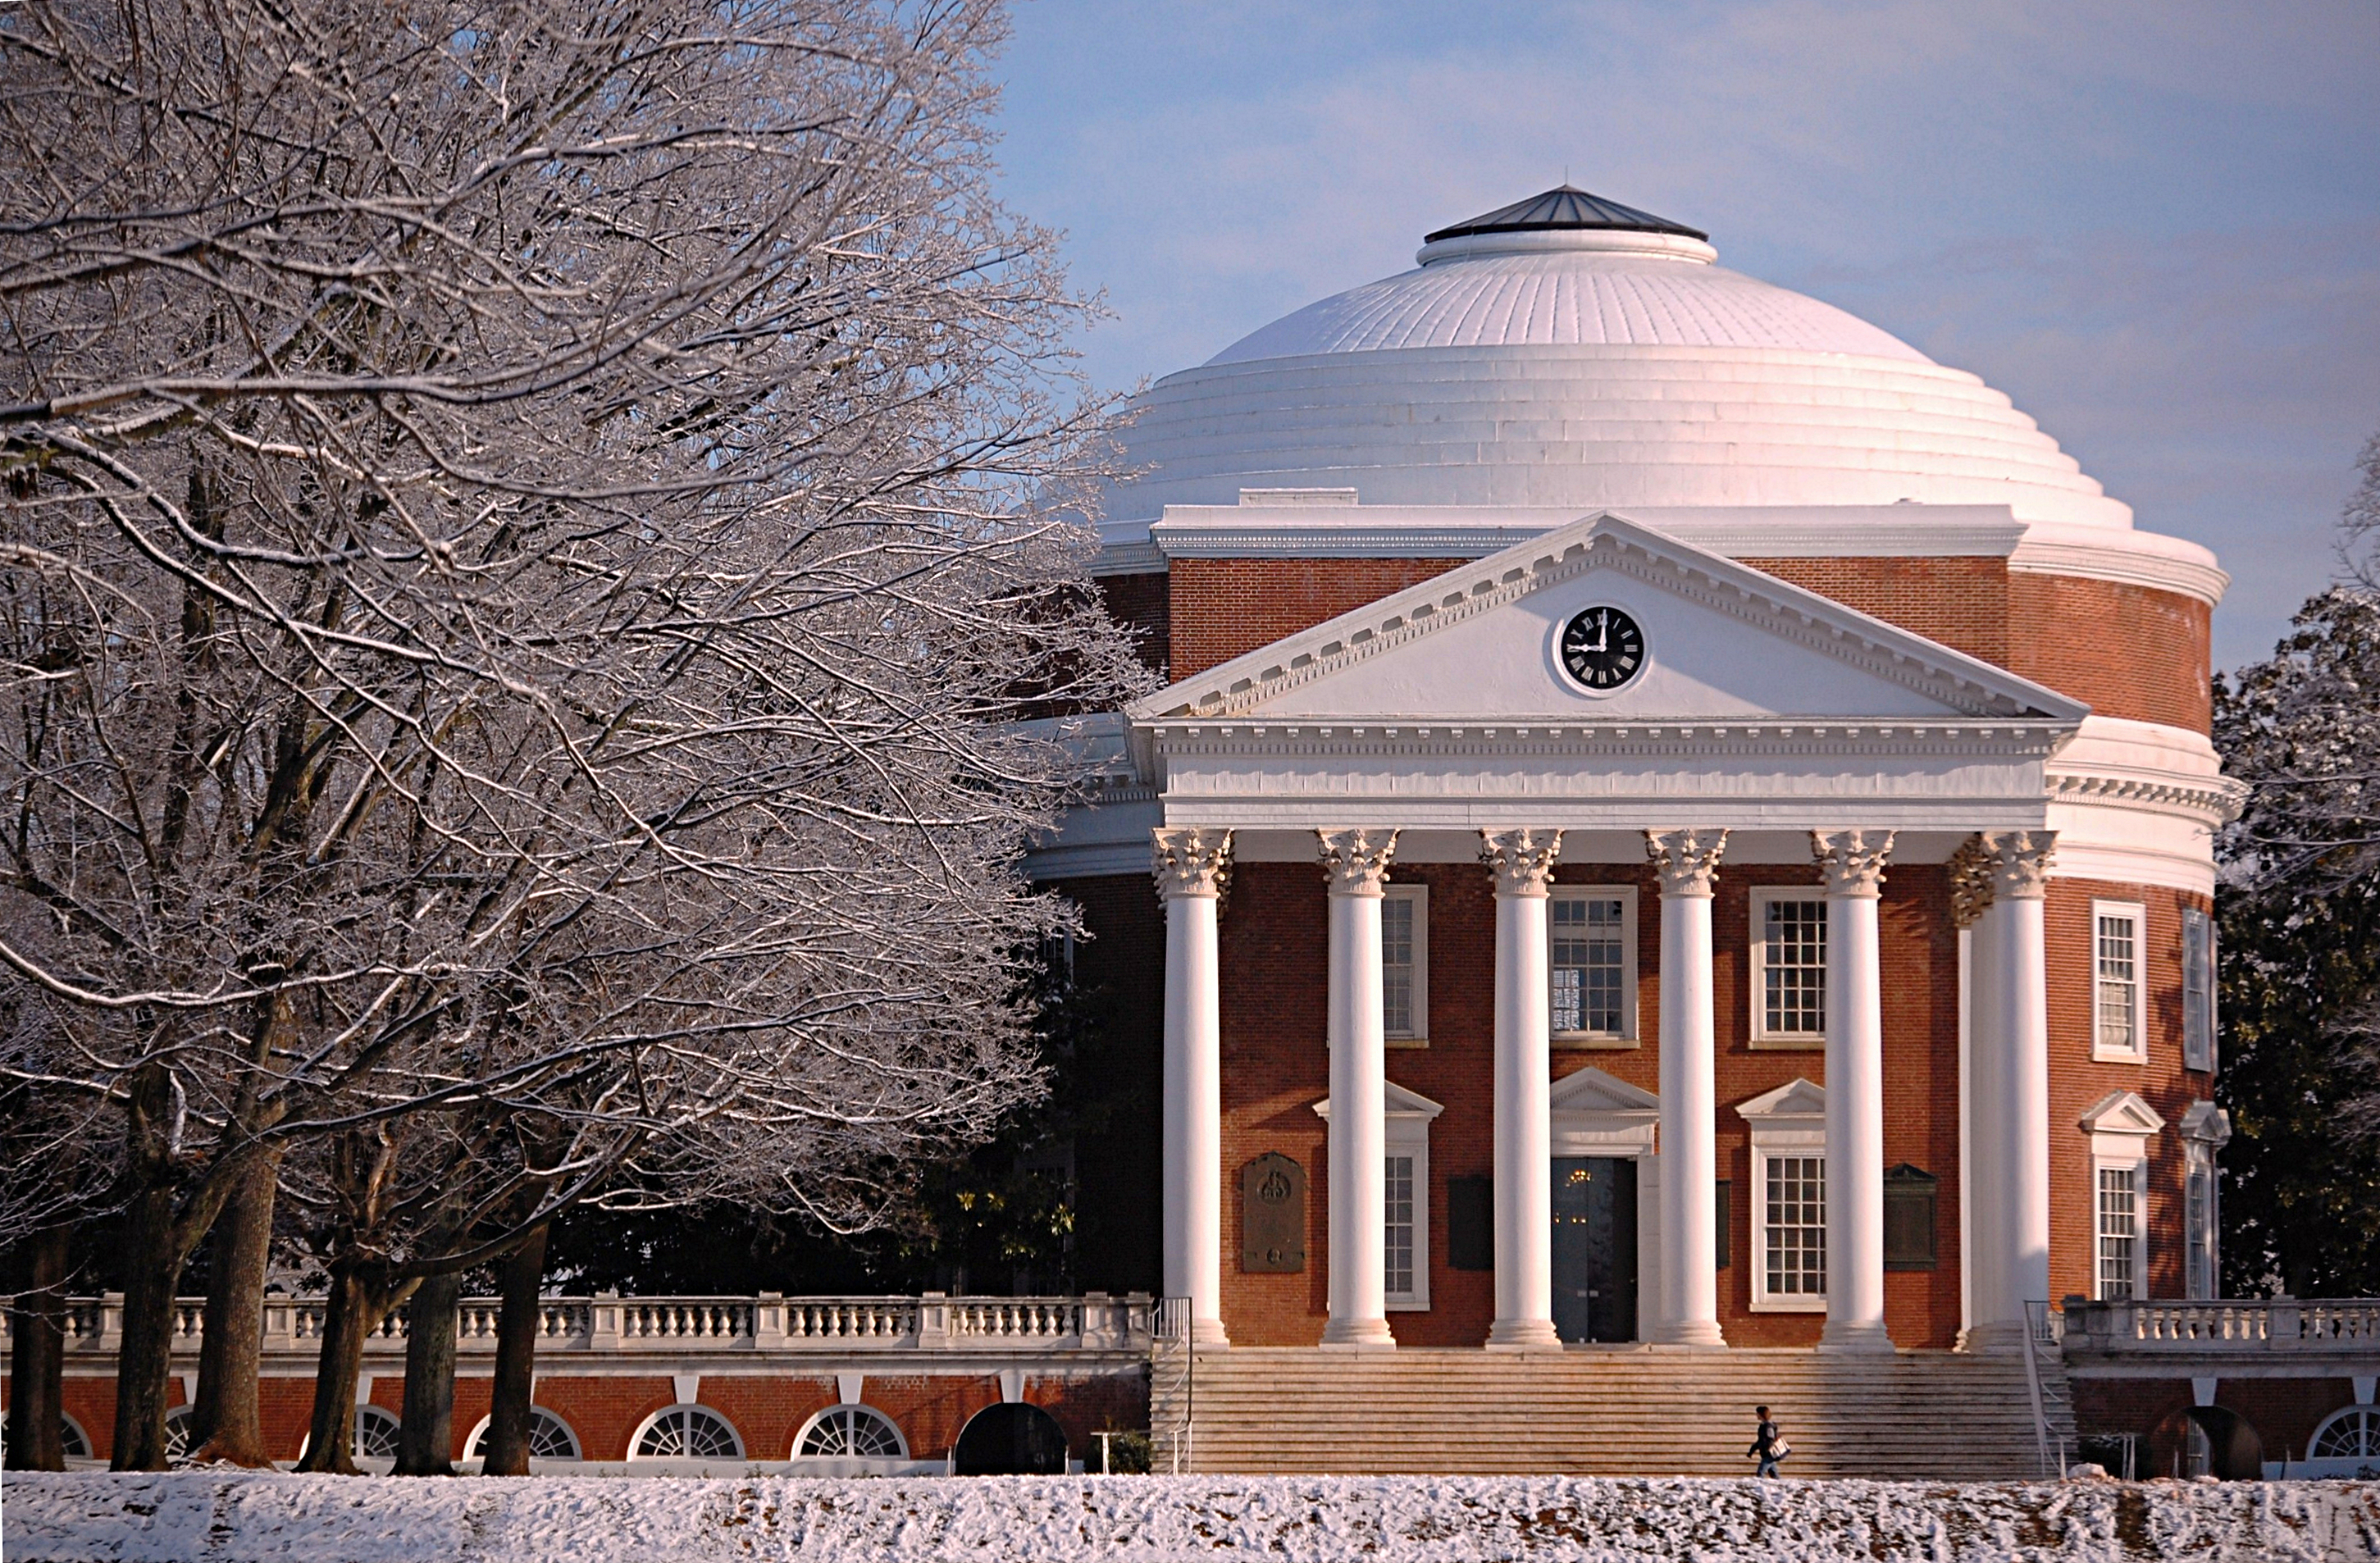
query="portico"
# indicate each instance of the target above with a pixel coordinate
(1768, 732)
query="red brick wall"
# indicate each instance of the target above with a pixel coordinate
(2128, 651)
(2284, 1412)
(2076, 1082)
(767, 1410)
(1143, 605)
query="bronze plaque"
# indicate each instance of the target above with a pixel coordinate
(1272, 1214)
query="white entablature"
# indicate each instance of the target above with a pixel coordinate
(1758, 706)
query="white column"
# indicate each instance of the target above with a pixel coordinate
(1355, 863)
(1850, 865)
(2011, 970)
(1521, 862)
(1686, 862)
(1971, 895)
(1189, 865)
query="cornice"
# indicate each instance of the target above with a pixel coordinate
(2216, 798)
(2128, 558)
(1767, 737)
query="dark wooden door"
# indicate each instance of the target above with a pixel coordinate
(1594, 1248)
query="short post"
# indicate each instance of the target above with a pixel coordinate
(603, 1323)
(1105, 1440)
(934, 1321)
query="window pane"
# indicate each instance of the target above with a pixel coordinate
(2118, 968)
(1397, 966)
(2197, 990)
(1797, 1226)
(1588, 946)
(1398, 1255)
(2200, 1236)
(1793, 966)
(2118, 1231)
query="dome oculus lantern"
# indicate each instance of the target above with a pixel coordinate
(1565, 207)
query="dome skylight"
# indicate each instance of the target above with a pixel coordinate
(1565, 207)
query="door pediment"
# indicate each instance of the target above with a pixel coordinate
(1719, 642)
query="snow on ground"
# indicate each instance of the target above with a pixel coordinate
(204, 1517)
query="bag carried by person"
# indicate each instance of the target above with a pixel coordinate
(1779, 1449)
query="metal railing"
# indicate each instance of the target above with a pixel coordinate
(2041, 1333)
(1172, 1383)
(2341, 1326)
(765, 1323)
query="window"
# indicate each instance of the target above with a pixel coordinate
(177, 1433)
(1788, 1198)
(1471, 1224)
(850, 1432)
(1909, 1197)
(2116, 962)
(2197, 990)
(2119, 1233)
(2198, 1200)
(1592, 950)
(1788, 959)
(376, 1434)
(1797, 1226)
(1397, 1252)
(2354, 1433)
(2205, 1129)
(550, 1437)
(686, 1433)
(73, 1442)
(1405, 964)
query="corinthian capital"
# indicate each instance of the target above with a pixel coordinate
(1189, 861)
(1971, 882)
(1850, 862)
(1522, 860)
(1685, 861)
(1356, 862)
(2018, 862)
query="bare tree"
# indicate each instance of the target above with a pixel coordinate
(530, 530)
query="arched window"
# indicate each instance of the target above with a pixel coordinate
(376, 1434)
(177, 1433)
(72, 1440)
(550, 1437)
(686, 1433)
(2354, 1433)
(846, 1430)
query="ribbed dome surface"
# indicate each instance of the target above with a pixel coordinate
(1586, 369)
(1553, 300)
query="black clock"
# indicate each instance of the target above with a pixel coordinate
(1603, 649)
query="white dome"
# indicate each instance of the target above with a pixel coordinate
(1589, 367)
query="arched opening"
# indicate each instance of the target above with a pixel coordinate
(850, 1432)
(1010, 1439)
(550, 1437)
(686, 1433)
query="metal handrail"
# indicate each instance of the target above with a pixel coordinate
(1174, 1335)
(2041, 1333)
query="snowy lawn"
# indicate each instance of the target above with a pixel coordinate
(236, 1518)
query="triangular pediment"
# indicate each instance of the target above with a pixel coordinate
(1592, 1090)
(1395, 1102)
(1720, 641)
(1795, 1099)
(2122, 1112)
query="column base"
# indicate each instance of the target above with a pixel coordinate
(1358, 1335)
(1844, 1336)
(1992, 1339)
(1522, 1334)
(1689, 1332)
(1208, 1334)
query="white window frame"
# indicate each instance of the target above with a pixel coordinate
(2102, 1051)
(900, 1439)
(2205, 1129)
(1405, 1122)
(1763, 896)
(2121, 1125)
(471, 1446)
(637, 1437)
(1418, 1036)
(1626, 1035)
(1787, 1121)
(2138, 1172)
(2198, 970)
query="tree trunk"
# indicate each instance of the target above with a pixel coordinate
(224, 1423)
(37, 1354)
(426, 1442)
(145, 1361)
(506, 1444)
(347, 1322)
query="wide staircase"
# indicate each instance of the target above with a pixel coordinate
(1602, 1411)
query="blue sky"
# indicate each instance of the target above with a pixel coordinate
(2157, 226)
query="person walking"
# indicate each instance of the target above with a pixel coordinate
(1767, 1447)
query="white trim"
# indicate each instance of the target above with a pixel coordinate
(1406, 1118)
(1789, 1121)
(2120, 1125)
(1626, 1035)
(1760, 1036)
(2132, 912)
(1966, 1128)
(2120, 554)
(1418, 1035)
(577, 1449)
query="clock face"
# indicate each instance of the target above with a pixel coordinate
(1603, 649)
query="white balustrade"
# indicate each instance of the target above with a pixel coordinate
(2163, 1325)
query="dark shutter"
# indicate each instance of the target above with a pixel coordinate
(1471, 1223)
(1723, 1221)
(1909, 1199)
